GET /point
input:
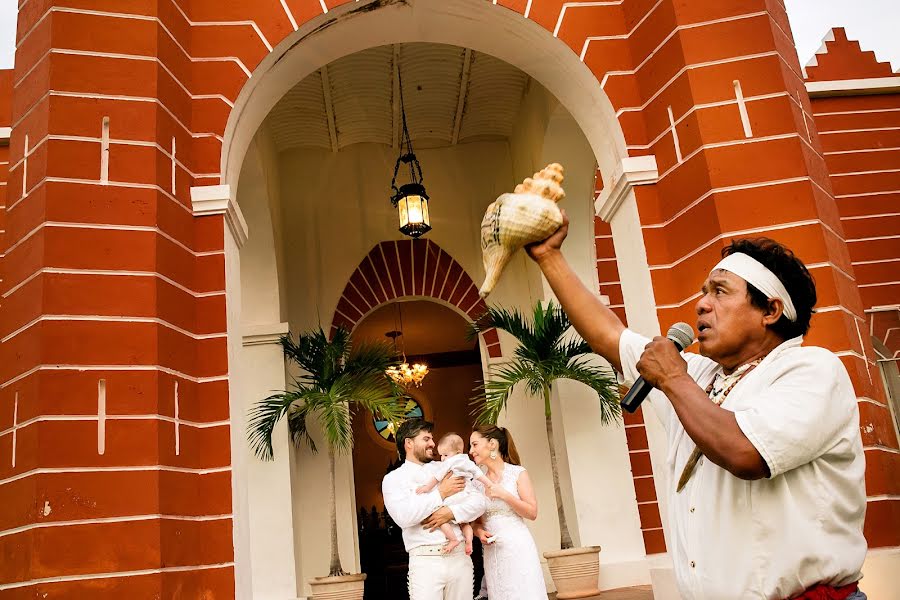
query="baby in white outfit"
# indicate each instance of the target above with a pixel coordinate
(451, 447)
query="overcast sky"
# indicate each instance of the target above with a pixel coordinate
(875, 23)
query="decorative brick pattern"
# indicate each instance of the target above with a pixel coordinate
(410, 268)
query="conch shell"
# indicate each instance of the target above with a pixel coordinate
(528, 215)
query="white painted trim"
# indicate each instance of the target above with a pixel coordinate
(108, 417)
(158, 368)
(855, 112)
(865, 130)
(289, 14)
(113, 319)
(568, 5)
(65, 470)
(705, 105)
(731, 188)
(111, 227)
(691, 67)
(261, 335)
(102, 520)
(57, 271)
(728, 234)
(665, 41)
(137, 57)
(217, 199)
(632, 171)
(853, 87)
(5, 133)
(123, 184)
(119, 574)
(699, 149)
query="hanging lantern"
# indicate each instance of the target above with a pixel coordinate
(412, 208)
(410, 199)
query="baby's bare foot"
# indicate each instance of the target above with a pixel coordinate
(468, 548)
(449, 546)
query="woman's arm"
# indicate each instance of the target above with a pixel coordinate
(526, 504)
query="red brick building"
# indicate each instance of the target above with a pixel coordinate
(130, 338)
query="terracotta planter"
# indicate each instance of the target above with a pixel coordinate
(345, 587)
(575, 572)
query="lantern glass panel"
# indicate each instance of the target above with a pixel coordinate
(404, 212)
(414, 208)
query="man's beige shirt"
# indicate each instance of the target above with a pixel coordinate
(771, 538)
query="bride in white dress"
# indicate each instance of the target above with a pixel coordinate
(512, 566)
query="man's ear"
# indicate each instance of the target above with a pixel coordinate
(774, 310)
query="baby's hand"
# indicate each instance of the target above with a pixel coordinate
(496, 492)
(421, 489)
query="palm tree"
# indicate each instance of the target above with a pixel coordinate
(338, 379)
(544, 355)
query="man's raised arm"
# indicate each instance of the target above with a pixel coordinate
(597, 324)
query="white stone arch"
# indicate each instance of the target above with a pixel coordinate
(487, 28)
(474, 24)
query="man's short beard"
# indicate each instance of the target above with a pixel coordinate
(423, 457)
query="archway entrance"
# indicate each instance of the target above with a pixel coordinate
(436, 336)
(314, 189)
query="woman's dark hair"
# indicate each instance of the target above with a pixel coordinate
(504, 439)
(410, 429)
(793, 274)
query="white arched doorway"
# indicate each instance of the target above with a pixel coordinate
(584, 107)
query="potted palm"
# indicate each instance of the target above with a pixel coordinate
(544, 355)
(337, 380)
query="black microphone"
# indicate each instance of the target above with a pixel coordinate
(682, 335)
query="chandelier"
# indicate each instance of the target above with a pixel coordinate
(404, 374)
(410, 199)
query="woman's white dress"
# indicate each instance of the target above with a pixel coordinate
(512, 566)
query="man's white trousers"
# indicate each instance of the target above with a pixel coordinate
(441, 576)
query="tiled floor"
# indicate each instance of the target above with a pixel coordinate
(643, 592)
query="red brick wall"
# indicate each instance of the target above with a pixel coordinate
(860, 137)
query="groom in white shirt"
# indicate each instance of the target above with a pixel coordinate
(433, 575)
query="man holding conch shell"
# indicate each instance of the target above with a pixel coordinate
(765, 460)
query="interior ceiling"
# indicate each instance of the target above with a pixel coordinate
(428, 328)
(451, 94)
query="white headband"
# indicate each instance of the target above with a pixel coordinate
(756, 274)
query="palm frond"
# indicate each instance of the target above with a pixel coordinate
(298, 424)
(599, 379)
(512, 322)
(373, 391)
(335, 419)
(263, 417)
(370, 357)
(494, 394)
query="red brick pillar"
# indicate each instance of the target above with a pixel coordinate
(723, 108)
(115, 458)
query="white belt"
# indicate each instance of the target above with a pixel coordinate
(435, 550)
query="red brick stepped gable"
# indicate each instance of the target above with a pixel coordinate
(841, 58)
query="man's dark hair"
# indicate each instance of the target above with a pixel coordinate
(793, 275)
(410, 429)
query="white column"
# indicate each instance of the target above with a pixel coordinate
(269, 482)
(617, 206)
(218, 200)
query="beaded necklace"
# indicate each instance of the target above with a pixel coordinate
(717, 391)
